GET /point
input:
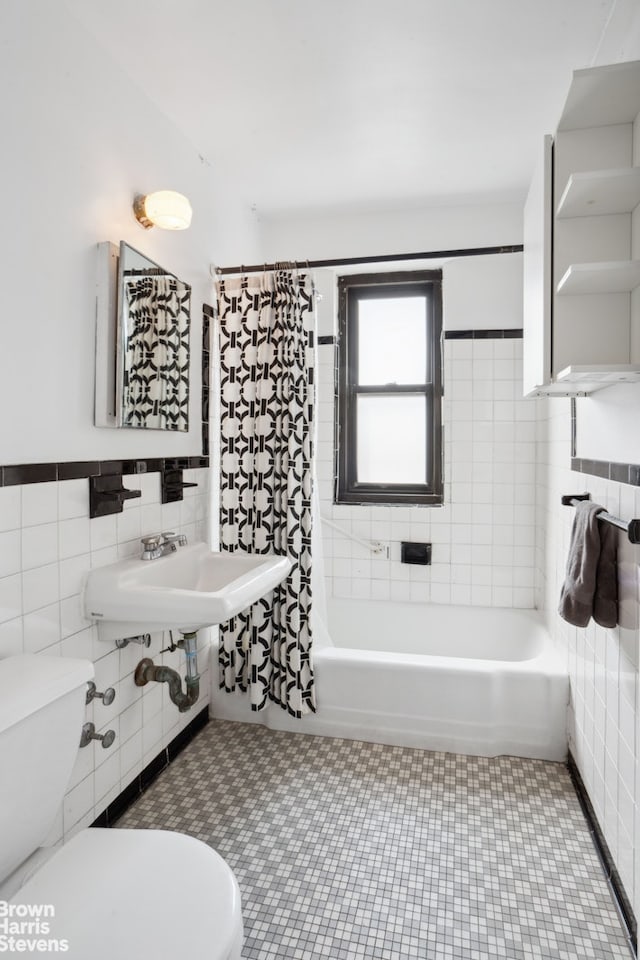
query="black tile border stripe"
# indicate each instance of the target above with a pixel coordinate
(131, 793)
(614, 882)
(22, 473)
(508, 333)
(619, 472)
(15, 474)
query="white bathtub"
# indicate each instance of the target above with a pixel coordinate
(473, 680)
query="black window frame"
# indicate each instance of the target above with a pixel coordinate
(352, 289)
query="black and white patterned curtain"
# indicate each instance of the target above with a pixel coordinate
(267, 390)
(156, 353)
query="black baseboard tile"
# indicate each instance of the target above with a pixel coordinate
(153, 770)
(186, 736)
(121, 803)
(616, 886)
(119, 806)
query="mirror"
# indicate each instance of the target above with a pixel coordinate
(152, 345)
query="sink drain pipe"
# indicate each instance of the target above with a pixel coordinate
(184, 700)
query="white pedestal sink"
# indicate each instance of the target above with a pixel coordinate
(192, 588)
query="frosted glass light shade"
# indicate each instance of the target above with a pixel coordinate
(164, 208)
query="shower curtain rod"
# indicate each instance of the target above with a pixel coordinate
(354, 261)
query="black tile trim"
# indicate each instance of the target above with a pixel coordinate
(620, 472)
(29, 473)
(152, 770)
(508, 333)
(613, 877)
(323, 341)
(15, 474)
(78, 471)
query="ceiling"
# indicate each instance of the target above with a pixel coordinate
(359, 104)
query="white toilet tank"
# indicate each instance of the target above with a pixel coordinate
(42, 705)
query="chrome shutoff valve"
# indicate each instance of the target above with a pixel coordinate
(107, 697)
(89, 734)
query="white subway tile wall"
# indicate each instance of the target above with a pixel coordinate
(602, 664)
(47, 545)
(484, 535)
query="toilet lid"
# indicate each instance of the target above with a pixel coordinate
(134, 894)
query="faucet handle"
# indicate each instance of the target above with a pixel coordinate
(151, 547)
(153, 540)
(171, 537)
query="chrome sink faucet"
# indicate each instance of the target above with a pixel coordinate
(160, 544)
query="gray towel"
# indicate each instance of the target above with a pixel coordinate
(605, 602)
(590, 586)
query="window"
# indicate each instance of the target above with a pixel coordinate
(389, 388)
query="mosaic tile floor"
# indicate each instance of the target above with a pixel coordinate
(347, 850)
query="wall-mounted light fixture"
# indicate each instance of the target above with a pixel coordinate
(165, 208)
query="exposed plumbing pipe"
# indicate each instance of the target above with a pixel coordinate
(147, 671)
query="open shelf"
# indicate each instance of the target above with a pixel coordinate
(613, 276)
(602, 95)
(592, 377)
(598, 192)
(582, 260)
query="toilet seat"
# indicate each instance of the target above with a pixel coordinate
(138, 894)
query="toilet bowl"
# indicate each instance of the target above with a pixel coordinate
(116, 894)
(138, 894)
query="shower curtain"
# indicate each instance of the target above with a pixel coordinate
(266, 327)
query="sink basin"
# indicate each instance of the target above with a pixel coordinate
(192, 588)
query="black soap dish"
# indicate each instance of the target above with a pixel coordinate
(107, 495)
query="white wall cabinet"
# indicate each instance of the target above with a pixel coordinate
(582, 241)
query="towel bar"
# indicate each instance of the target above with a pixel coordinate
(631, 528)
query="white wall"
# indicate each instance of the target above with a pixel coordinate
(483, 293)
(410, 230)
(79, 141)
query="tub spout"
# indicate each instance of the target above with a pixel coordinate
(184, 700)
